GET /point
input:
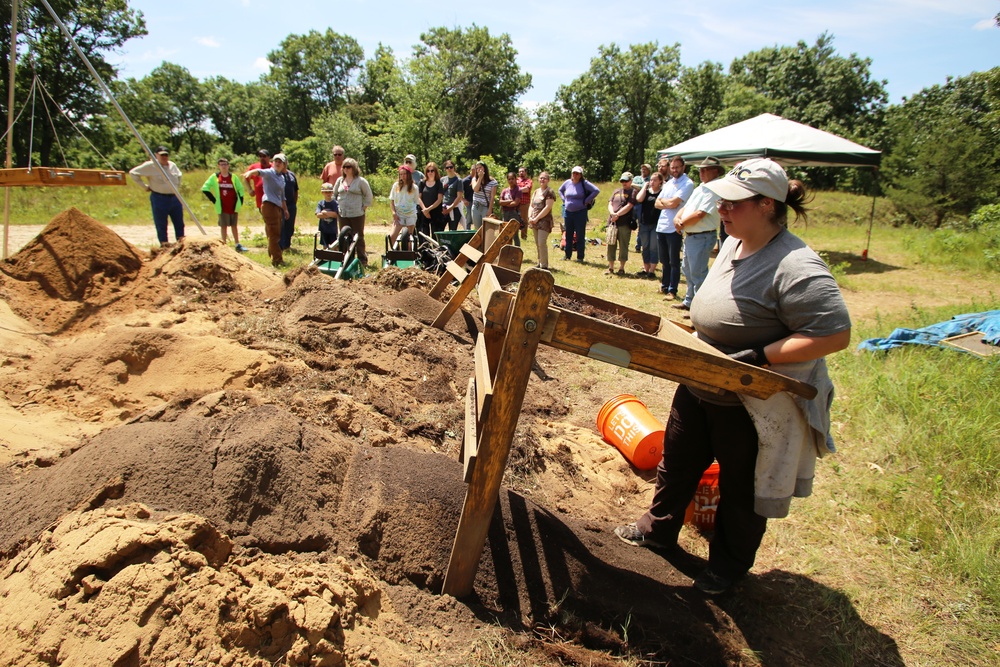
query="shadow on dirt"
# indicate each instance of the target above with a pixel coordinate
(570, 582)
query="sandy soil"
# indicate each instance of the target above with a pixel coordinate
(205, 463)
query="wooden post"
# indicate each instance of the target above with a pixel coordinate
(523, 333)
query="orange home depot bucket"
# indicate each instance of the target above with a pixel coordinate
(625, 422)
(701, 512)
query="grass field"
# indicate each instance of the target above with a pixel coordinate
(904, 524)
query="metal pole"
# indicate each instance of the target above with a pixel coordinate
(107, 91)
(871, 219)
(10, 120)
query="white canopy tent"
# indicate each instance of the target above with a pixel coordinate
(782, 140)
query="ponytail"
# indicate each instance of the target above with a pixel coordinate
(797, 199)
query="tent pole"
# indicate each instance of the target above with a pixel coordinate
(10, 121)
(107, 91)
(871, 219)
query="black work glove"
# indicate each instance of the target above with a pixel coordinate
(754, 357)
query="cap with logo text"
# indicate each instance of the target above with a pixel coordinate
(757, 176)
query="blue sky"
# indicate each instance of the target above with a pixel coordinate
(912, 43)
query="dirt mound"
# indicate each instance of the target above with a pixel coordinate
(257, 472)
(70, 254)
(122, 587)
(77, 275)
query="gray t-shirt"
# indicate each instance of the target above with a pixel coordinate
(781, 289)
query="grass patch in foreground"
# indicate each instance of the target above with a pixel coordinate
(918, 483)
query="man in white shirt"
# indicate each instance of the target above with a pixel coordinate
(675, 192)
(162, 199)
(698, 221)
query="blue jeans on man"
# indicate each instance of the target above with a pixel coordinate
(575, 223)
(697, 249)
(165, 206)
(670, 254)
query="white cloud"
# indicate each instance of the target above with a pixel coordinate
(210, 42)
(985, 24)
(262, 64)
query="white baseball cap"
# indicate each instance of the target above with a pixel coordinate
(280, 157)
(578, 170)
(756, 176)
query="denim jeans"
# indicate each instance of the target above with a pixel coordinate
(697, 249)
(670, 254)
(167, 206)
(576, 230)
(479, 211)
(647, 239)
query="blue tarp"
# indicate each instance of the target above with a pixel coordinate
(988, 322)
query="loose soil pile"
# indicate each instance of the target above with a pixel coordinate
(240, 469)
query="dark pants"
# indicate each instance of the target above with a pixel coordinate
(288, 227)
(272, 214)
(358, 225)
(670, 254)
(576, 230)
(698, 432)
(165, 206)
(453, 219)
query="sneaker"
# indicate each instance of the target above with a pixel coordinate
(240, 248)
(621, 272)
(631, 534)
(641, 274)
(710, 583)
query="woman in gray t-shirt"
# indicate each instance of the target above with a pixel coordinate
(768, 300)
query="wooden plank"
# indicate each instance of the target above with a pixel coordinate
(498, 430)
(470, 446)
(455, 302)
(641, 321)
(457, 271)
(686, 359)
(484, 378)
(674, 355)
(471, 253)
(974, 342)
(56, 176)
(476, 242)
(510, 257)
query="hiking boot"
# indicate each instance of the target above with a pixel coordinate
(710, 583)
(631, 534)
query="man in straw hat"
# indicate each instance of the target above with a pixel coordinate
(698, 221)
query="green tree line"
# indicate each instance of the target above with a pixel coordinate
(456, 95)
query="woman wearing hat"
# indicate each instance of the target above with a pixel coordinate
(620, 223)
(273, 205)
(578, 195)
(768, 301)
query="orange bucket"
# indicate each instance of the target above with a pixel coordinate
(701, 512)
(625, 422)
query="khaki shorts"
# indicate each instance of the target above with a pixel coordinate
(228, 219)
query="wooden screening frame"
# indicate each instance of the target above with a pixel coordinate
(515, 324)
(55, 177)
